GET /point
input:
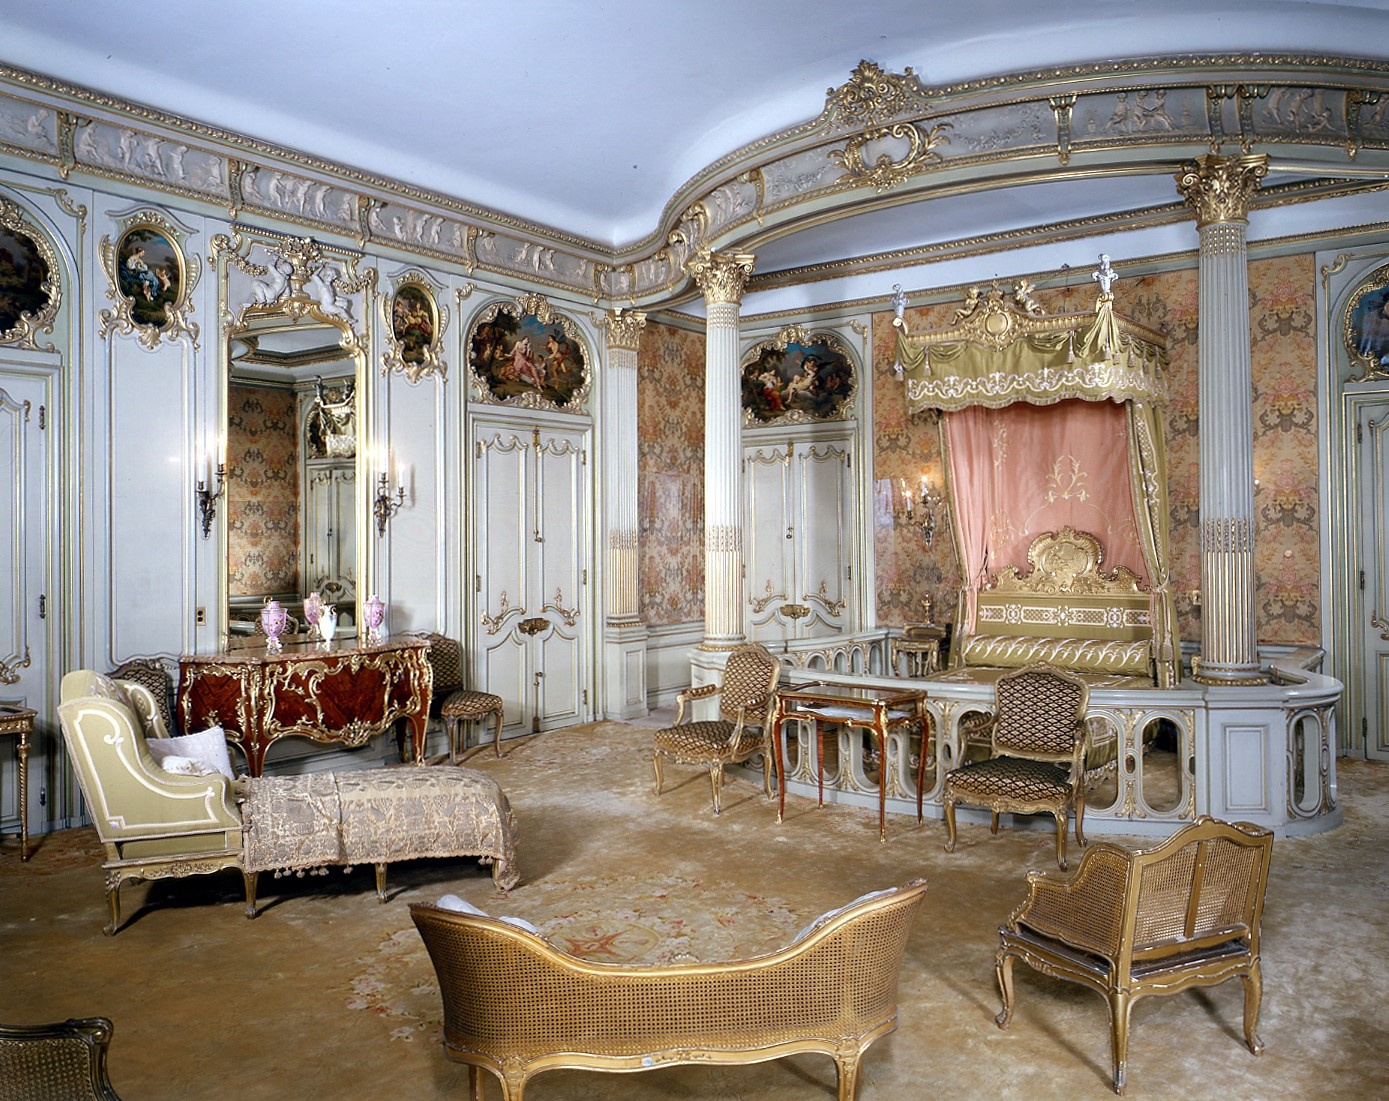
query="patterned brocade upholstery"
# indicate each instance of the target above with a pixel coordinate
(452, 702)
(745, 700)
(1037, 754)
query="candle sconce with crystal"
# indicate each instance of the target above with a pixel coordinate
(922, 508)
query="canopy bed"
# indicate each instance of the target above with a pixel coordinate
(1052, 439)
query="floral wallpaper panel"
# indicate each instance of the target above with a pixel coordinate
(262, 492)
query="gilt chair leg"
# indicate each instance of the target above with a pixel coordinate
(113, 907)
(451, 730)
(1003, 966)
(949, 824)
(1253, 995)
(381, 882)
(993, 823)
(497, 732)
(716, 780)
(1080, 816)
(656, 761)
(250, 879)
(847, 1066)
(1120, 1008)
(1061, 838)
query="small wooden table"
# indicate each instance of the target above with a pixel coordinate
(19, 721)
(920, 644)
(336, 692)
(861, 707)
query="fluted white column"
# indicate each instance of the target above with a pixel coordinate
(624, 635)
(1218, 191)
(722, 277)
(623, 331)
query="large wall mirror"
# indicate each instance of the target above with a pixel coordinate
(294, 447)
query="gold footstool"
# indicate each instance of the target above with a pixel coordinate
(465, 705)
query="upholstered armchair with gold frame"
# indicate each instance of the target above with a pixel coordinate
(746, 699)
(515, 1005)
(1132, 924)
(154, 824)
(58, 1062)
(1036, 765)
(454, 704)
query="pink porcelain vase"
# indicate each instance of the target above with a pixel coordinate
(273, 621)
(374, 613)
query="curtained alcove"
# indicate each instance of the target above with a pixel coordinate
(1052, 436)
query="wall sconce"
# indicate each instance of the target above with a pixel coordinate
(207, 498)
(387, 504)
(923, 509)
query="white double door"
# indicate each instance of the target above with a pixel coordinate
(28, 603)
(1372, 447)
(529, 533)
(800, 511)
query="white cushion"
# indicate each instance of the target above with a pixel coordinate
(460, 905)
(520, 923)
(207, 748)
(840, 909)
(184, 766)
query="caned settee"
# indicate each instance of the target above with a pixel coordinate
(515, 1005)
(184, 816)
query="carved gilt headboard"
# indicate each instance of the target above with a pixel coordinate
(1064, 611)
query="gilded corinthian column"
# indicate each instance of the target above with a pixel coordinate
(624, 636)
(1218, 190)
(722, 277)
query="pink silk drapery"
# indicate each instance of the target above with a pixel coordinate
(1024, 469)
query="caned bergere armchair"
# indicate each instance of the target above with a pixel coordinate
(746, 698)
(57, 1062)
(1131, 924)
(1037, 735)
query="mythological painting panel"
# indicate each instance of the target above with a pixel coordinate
(670, 478)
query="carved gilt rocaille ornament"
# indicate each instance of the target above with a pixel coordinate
(624, 328)
(414, 327)
(298, 279)
(797, 377)
(871, 96)
(28, 280)
(915, 148)
(721, 276)
(150, 280)
(1218, 189)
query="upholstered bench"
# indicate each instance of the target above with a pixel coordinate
(377, 816)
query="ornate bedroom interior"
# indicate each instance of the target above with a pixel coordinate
(915, 345)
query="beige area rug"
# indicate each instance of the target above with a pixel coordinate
(328, 994)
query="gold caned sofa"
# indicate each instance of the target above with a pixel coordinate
(515, 1005)
(156, 823)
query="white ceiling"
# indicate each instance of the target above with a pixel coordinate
(588, 115)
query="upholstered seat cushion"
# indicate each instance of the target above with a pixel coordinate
(698, 742)
(465, 704)
(1014, 779)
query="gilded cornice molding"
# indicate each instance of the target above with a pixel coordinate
(623, 328)
(721, 276)
(947, 139)
(1218, 189)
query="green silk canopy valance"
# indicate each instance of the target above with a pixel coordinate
(1003, 348)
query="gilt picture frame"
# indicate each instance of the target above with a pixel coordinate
(797, 377)
(415, 323)
(29, 290)
(524, 354)
(151, 280)
(1365, 326)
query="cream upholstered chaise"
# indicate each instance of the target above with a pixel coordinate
(156, 823)
(516, 1005)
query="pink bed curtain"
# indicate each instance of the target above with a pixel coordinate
(1022, 470)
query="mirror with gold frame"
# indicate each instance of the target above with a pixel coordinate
(293, 440)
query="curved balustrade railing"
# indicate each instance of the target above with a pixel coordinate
(1264, 754)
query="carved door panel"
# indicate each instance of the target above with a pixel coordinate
(1373, 461)
(799, 501)
(27, 602)
(529, 536)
